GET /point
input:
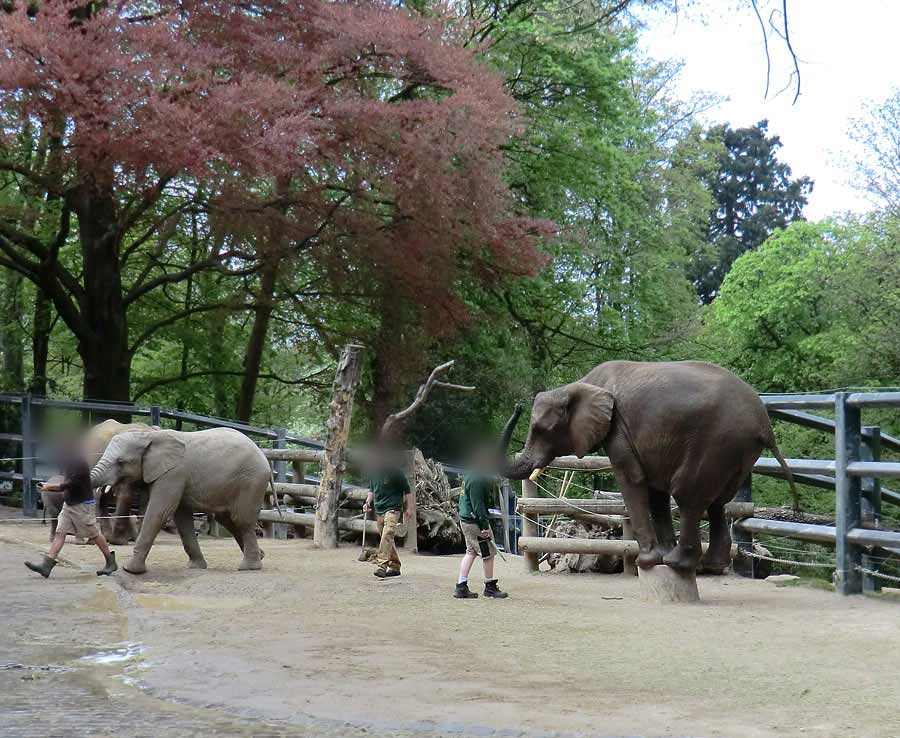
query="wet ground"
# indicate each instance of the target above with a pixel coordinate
(315, 646)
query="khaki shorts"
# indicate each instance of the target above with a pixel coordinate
(78, 520)
(474, 541)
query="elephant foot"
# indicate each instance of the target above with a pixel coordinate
(134, 566)
(681, 560)
(250, 564)
(710, 566)
(649, 559)
(262, 554)
(197, 564)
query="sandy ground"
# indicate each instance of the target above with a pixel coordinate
(316, 642)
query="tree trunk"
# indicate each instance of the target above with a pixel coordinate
(338, 430)
(11, 338)
(40, 343)
(265, 302)
(103, 346)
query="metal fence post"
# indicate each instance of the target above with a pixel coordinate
(155, 415)
(29, 503)
(871, 502)
(848, 508)
(503, 499)
(744, 564)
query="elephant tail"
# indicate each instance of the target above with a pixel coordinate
(772, 445)
(274, 493)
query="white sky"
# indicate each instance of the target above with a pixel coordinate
(850, 56)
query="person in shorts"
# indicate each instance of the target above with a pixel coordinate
(77, 517)
(478, 489)
(390, 495)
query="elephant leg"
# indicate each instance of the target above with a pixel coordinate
(661, 516)
(252, 555)
(718, 556)
(184, 522)
(163, 501)
(637, 500)
(686, 555)
(121, 524)
(228, 523)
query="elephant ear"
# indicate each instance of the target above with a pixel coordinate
(590, 414)
(163, 453)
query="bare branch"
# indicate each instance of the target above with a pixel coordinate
(393, 424)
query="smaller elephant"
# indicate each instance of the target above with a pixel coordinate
(52, 501)
(217, 471)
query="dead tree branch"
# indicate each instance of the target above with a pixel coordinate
(394, 422)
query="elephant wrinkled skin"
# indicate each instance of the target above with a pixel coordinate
(689, 430)
(217, 471)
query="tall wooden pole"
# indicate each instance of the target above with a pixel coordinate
(325, 534)
(744, 564)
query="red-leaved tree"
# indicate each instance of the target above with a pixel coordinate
(354, 134)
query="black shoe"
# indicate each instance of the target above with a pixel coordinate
(110, 567)
(44, 568)
(463, 592)
(383, 573)
(492, 590)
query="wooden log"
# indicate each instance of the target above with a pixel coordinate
(312, 490)
(605, 546)
(536, 546)
(564, 506)
(663, 584)
(309, 519)
(309, 455)
(588, 463)
(346, 378)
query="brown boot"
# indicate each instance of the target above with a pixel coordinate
(44, 568)
(463, 592)
(492, 590)
(110, 567)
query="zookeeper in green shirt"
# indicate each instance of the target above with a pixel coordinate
(477, 489)
(391, 497)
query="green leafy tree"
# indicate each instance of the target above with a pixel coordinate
(754, 194)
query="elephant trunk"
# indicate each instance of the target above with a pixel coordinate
(100, 473)
(523, 464)
(519, 467)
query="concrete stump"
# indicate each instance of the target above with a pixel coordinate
(664, 584)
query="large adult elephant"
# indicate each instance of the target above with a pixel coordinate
(216, 471)
(686, 429)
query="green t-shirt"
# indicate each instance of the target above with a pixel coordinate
(473, 501)
(389, 487)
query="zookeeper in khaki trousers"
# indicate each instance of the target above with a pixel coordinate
(389, 492)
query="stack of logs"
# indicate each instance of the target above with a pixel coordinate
(438, 523)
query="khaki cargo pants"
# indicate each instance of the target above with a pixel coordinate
(387, 556)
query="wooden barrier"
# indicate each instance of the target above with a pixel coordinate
(565, 505)
(603, 546)
(307, 519)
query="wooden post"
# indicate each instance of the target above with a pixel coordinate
(298, 470)
(848, 507)
(744, 564)
(29, 503)
(629, 560)
(325, 534)
(530, 527)
(410, 542)
(871, 503)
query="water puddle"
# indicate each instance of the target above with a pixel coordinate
(116, 653)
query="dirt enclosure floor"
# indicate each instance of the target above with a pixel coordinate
(315, 646)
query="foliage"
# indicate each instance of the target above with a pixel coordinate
(754, 195)
(207, 138)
